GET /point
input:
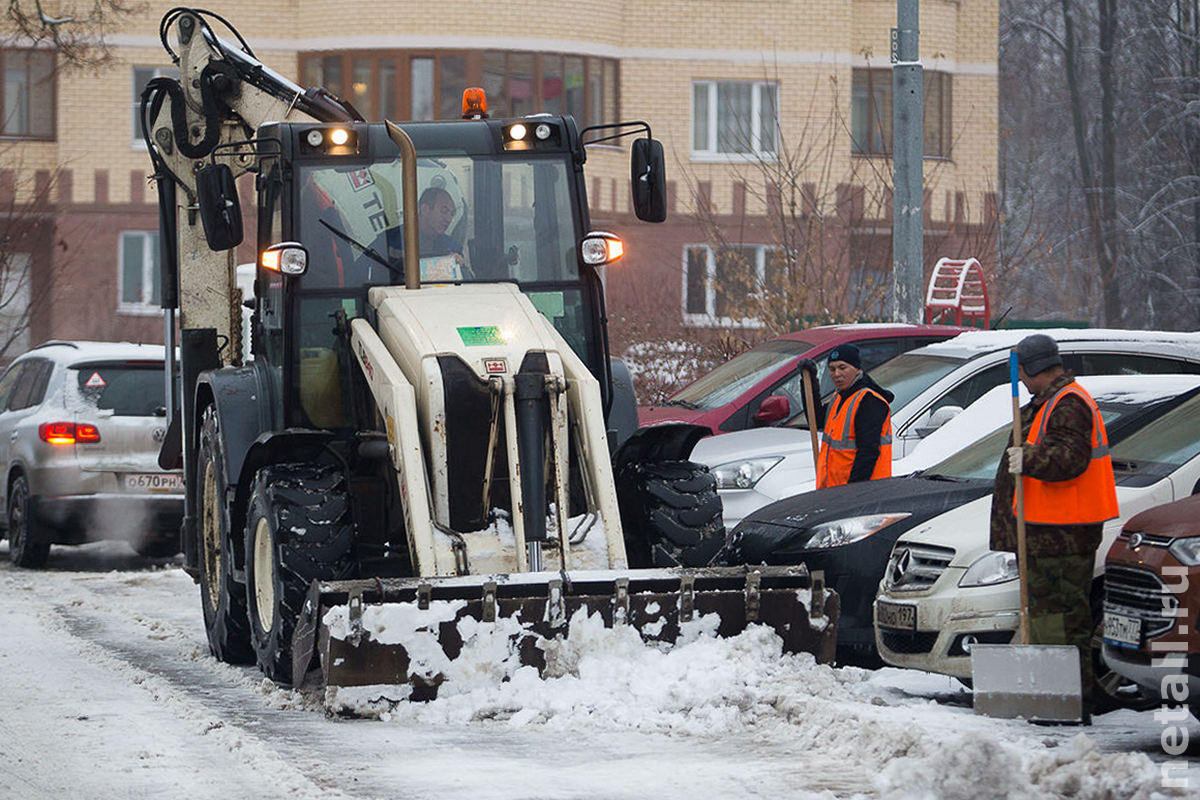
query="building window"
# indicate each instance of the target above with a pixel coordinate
(27, 94)
(734, 118)
(139, 272)
(142, 76)
(718, 282)
(15, 297)
(871, 113)
(429, 85)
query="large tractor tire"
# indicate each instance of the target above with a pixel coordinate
(671, 513)
(28, 541)
(223, 599)
(298, 527)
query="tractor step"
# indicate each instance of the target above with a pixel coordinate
(406, 631)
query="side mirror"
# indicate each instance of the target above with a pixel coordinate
(220, 209)
(649, 180)
(937, 419)
(773, 409)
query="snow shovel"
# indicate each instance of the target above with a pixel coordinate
(1035, 682)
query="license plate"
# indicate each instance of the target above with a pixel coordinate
(895, 615)
(1122, 631)
(152, 481)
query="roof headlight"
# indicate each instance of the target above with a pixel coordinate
(542, 131)
(314, 138)
(518, 132)
(339, 136)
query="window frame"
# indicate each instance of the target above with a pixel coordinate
(157, 71)
(600, 75)
(712, 153)
(52, 99)
(148, 306)
(945, 102)
(709, 317)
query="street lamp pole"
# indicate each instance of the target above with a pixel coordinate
(908, 249)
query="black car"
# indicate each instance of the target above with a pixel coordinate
(848, 531)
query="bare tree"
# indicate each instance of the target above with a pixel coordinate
(77, 30)
(1109, 205)
(27, 225)
(805, 240)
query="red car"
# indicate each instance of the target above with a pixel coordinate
(762, 386)
(1151, 593)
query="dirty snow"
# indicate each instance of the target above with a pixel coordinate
(109, 692)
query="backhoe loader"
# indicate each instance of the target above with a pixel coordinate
(426, 422)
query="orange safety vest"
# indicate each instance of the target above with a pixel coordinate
(1087, 499)
(838, 446)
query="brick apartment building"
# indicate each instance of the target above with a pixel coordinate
(775, 115)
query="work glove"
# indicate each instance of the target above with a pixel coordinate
(1015, 460)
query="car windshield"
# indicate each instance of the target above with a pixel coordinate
(1169, 440)
(128, 390)
(909, 374)
(1122, 422)
(738, 375)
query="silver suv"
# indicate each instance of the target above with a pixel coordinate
(80, 428)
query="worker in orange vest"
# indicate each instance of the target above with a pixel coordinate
(856, 443)
(1069, 491)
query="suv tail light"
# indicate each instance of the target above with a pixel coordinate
(68, 433)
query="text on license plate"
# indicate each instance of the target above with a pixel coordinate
(1121, 630)
(895, 615)
(152, 481)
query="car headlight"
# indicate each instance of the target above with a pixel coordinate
(850, 529)
(988, 570)
(1187, 551)
(743, 474)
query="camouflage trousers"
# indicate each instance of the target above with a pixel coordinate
(1060, 609)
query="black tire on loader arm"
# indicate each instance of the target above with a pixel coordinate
(298, 527)
(671, 514)
(223, 599)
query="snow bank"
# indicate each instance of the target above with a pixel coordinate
(604, 679)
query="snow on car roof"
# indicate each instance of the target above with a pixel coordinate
(973, 343)
(79, 351)
(994, 409)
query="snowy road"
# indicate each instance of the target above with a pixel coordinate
(108, 691)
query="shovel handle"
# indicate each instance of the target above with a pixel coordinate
(811, 410)
(1019, 495)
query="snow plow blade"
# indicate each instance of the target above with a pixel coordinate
(407, 630)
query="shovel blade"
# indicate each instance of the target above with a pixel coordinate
(1034, 682)
(406, 631)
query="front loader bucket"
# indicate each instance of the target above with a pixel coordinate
(407, 630)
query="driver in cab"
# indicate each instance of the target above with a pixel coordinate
(441, 254)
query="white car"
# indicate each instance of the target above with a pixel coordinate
(932, 385)
(944, 590)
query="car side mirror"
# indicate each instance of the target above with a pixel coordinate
(937, 419)
(773, 409)
(648, 180)
(220, 209)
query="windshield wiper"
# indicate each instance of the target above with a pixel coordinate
(937, 476)
(367, 250)
(682, 404)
